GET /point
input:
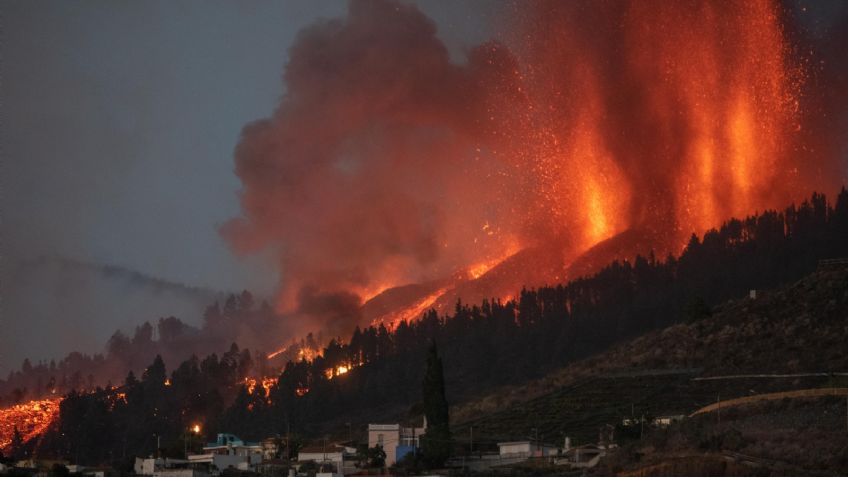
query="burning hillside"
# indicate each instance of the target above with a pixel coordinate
(30, 419)
(587, 131)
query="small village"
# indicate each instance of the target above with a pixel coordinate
(387, 447)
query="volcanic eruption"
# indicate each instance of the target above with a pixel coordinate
(586, 132)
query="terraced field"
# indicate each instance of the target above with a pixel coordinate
(579, 410)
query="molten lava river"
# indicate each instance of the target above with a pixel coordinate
(31, 419)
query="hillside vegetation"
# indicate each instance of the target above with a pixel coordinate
(798, 329)
(493, 344)
(791, 338)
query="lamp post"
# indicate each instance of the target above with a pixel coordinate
(195, 429)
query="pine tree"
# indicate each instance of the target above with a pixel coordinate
(436, 442)
(155, 373)
(16, 447)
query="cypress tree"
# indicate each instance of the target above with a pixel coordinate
(16, 447)
(436, 441)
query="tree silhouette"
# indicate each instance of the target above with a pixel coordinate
(16, 447)
(436, 442)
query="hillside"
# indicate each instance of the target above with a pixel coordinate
(797, 329)
(72, 305)
(588, 329)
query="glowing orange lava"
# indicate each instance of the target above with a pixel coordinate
(664, 117)
(31, 419)
(479, 269)
(412, 312)
(303, 352)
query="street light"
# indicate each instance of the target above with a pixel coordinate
(195, 429)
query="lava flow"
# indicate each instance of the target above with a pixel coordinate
(30, 419)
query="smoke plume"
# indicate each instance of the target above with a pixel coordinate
(626, 124)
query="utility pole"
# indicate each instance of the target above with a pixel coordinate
(536, 438)
(471, 439)
(718, 410)
(288, 445)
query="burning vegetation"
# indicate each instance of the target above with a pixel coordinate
(30, 420)
(266, 383)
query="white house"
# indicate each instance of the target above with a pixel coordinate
(181, 473)
(395, 440)
(336, 456)
(322, 455)
(85, 471)
(150, 465)
(526, 449)
(215, 463)
(228, 444)
(158, 467)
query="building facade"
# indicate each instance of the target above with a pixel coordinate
(396, 441)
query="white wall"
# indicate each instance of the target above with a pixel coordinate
(514, 448)
(387, 435)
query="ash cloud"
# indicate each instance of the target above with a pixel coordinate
(371, 165)
(587, 122)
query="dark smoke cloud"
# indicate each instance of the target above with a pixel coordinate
(371, 165)
(332, 313)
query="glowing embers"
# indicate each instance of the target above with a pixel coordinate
(743, 151)
(339, 370)
(267, 383)
(278, 352)
(591, 182)
(412, 312)
(31, 419)
(303, 352)
(479, 269)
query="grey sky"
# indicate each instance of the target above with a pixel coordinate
(119, 122)
(121, 119)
